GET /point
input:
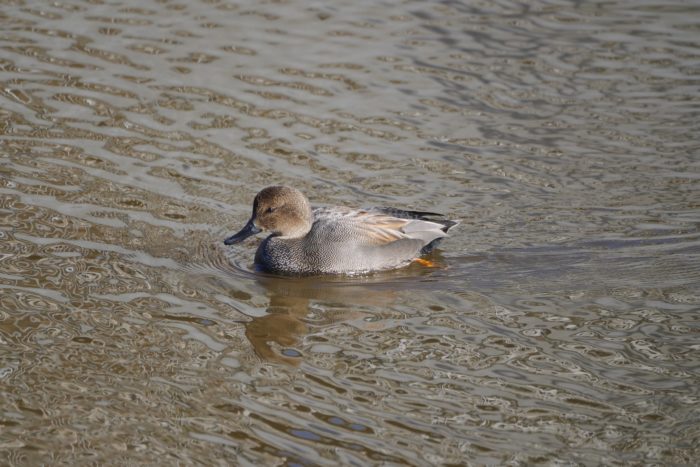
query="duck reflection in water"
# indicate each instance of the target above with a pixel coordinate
(274, 335)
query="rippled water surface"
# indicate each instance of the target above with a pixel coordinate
(560, 325)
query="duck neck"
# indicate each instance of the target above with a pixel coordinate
(303, 219)
(297, 232)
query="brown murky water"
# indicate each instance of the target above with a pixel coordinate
(560, 328)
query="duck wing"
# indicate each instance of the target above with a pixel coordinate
(424, 226)
(420, 215)
(379, 227)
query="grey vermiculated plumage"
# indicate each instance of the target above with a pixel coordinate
(336, 240)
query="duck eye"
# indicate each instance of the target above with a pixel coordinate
(269, 210)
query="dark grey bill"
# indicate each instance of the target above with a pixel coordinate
(248, 231)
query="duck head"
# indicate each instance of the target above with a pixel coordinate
(281, 210)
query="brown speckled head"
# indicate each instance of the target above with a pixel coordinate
(281, 210)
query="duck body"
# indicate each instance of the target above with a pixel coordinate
(336, 239)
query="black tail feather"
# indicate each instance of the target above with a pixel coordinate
(403, 214)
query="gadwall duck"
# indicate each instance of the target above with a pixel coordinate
(336, 240)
